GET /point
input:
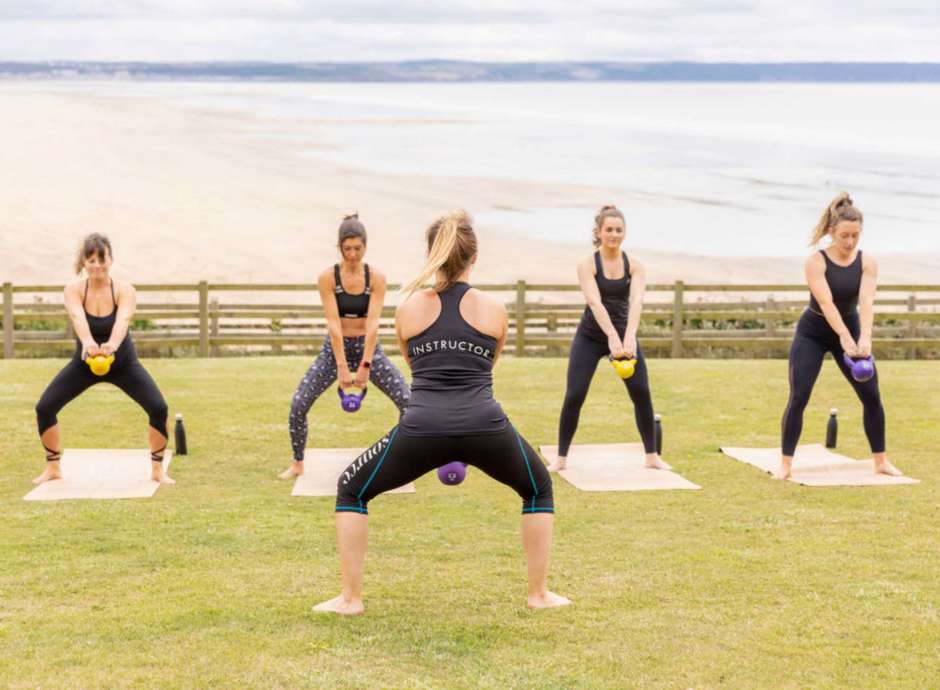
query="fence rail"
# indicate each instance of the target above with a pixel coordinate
(679, 319)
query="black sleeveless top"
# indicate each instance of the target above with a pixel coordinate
(844, 283)
(615, 296)
(101, 327)
(452, 376)
(351, 306)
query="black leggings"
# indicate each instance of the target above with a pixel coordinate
(582, 362)
(76, 377)
(397, 458)
(814, 338)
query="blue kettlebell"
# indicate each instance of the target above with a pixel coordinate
(862, 369)
(351, 402)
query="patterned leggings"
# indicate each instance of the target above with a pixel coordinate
(323, 374)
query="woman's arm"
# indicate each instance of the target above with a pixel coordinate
(816, 279)
(866, 303)
(402, 342)
(376, 302)
(593, 297)
(504, 331)
(126, 306)
(637, 291)
(76, 313)
(334, 327)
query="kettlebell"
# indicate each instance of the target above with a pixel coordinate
(862, 369)
(625, 368)
(351, 402)
(452, 473)
(99, 364)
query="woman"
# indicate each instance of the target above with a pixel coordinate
(613, 286)
(451, 336)
(352, 294)
(841, 279)
(101, 310)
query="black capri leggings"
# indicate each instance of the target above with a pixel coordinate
(582, 362)
(397, 458)
(76, 377)
(814, 338)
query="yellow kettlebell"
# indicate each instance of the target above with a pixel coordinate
(99, 364)
(625, 368)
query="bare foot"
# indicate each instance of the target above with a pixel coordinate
(52, 471)
(784, 471)
(295, 470)
(158, 474)
(558, 464)
(547, 600)
(654, 462)
(342, 606)
(885, 467)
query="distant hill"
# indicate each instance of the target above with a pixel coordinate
(454, 71)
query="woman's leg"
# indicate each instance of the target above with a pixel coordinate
(392, 461)
(388, 379)
(806, 358)
(582, 363)
(638, 386)
(136, 381)
(319, 377)
(68, 384)
(509, 459)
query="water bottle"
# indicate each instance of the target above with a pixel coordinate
(832, 429)
(179, 435)
(659, 433)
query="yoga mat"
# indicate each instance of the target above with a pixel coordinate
(322, 467)
(101, 473)
(815, 465)
(614, 467)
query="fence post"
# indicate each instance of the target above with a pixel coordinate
(771, 324)
(203, 318)
(677, 317)
(520, 318)
(912, 325)
(214, 325)
(8, 320)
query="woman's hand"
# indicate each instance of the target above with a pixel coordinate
(108, 348)
(90, 349)
(344, 377)
(864, 346)
(362, 376)
(629, 346)
(615, 346)
(848, 344)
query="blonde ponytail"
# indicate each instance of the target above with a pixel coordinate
(452, 244)
(839, 209)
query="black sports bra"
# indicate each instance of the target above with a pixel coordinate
(351, 306)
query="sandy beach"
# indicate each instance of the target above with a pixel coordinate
(188, 193)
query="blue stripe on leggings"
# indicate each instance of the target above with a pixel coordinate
(381, 460)
(352, 509)
(538, 510)
(528, 467)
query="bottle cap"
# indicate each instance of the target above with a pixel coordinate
(834, 410)
(657, 417)
(179, 416)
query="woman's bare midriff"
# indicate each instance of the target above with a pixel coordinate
(353, 328)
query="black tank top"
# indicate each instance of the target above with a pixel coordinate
(615, 296)
(844, 283)
(351, 306)
(101, 327)
(452, 376)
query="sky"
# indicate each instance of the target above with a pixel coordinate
(485, 30)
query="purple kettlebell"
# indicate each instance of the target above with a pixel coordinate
(862, 369)
(452, 473)
(351, 402)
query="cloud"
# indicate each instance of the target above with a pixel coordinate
(489, 30)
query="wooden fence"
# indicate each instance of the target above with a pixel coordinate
(679, 320)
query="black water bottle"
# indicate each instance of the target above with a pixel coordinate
(659, 434)
(832, 429)
(179, 435)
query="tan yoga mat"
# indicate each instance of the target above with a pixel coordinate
(815, 465)
(614, 467)
(322, 467)
(101, 473)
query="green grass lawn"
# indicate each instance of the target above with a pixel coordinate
(747, 583)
